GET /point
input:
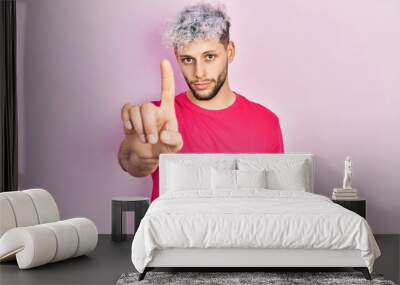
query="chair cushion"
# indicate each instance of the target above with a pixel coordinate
(23, 208)
(7, 220)
(26, 208)
(45, 205)
(40, 244)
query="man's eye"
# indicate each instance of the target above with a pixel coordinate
(187, 60)
(210, 56)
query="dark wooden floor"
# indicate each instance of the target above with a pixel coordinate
(111, 259)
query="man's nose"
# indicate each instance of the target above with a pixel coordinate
(199, 70)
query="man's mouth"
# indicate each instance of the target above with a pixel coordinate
(202, 85)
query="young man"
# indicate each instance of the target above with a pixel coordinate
(207, 118)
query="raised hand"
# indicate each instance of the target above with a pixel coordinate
(149, 129)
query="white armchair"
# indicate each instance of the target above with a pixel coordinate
(32, 233)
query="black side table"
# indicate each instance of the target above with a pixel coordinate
(358, 206)
(119, 205)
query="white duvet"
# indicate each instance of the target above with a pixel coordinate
(250, 218)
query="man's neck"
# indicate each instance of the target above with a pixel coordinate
(222, 100)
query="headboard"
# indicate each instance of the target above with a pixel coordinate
(211, 158)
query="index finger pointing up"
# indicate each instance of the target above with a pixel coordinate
(167, 83)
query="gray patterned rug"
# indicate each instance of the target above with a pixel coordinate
(270, 278)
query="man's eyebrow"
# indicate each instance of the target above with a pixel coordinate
(186, 55)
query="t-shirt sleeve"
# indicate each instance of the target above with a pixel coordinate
(279, 146)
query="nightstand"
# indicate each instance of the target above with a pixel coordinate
(120, 205)
(358, 206)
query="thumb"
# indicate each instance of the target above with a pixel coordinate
(171, 124)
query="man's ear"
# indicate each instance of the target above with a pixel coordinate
(231, 51)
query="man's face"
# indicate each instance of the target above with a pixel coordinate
(205, 61)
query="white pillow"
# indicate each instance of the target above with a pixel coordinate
(251, 178)
(223, 179)
(288, 178)
(235, 179)
(282, 174)
(181, 177)
(206, 160)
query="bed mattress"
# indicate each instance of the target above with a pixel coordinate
(253, 219)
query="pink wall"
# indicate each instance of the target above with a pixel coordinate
(330, 70)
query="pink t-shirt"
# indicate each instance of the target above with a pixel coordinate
(243, 127)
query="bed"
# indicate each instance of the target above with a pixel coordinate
(248, 210)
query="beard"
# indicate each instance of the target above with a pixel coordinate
(217, 86)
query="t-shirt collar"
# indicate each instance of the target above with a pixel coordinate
(198, 108)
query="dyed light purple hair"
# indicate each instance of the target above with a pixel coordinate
(203, 20)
